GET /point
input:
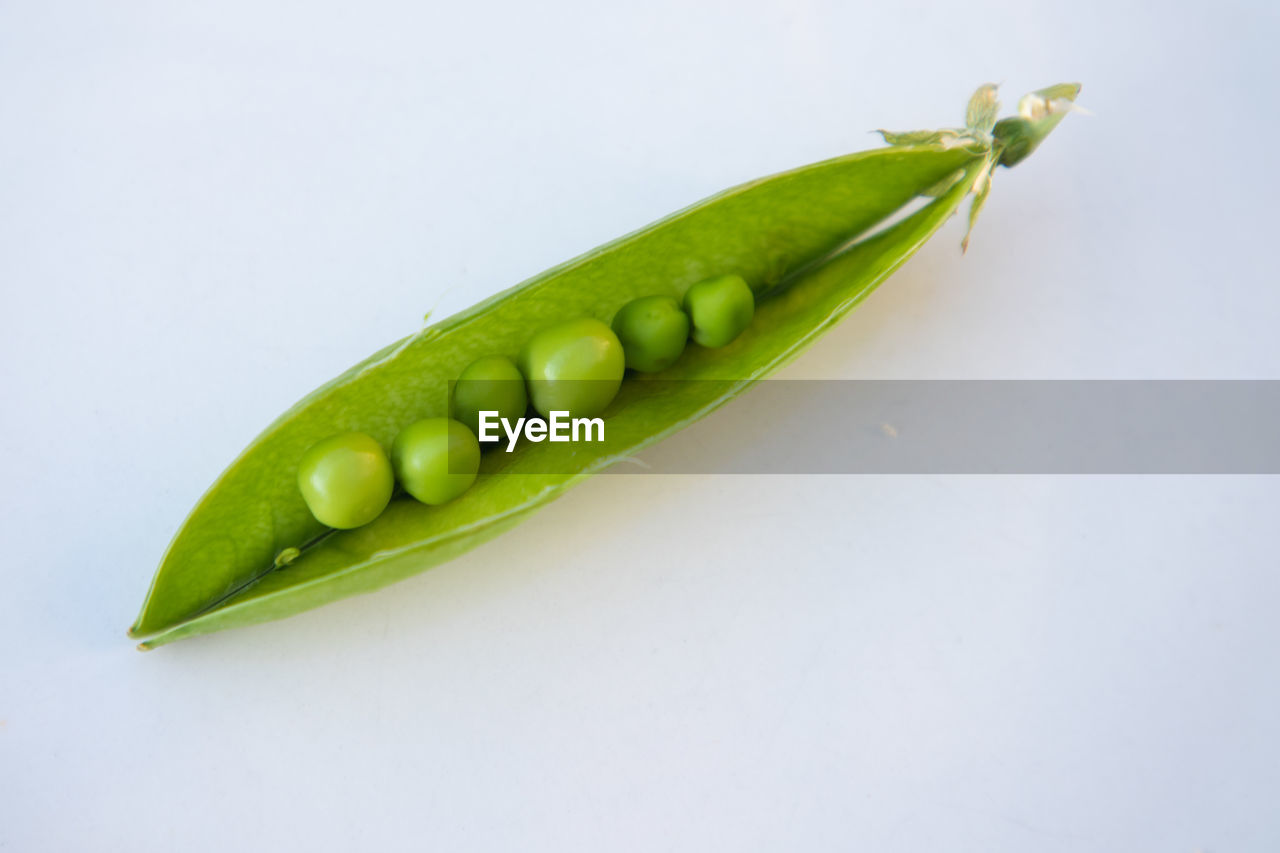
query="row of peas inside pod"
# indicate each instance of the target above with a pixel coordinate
(576, 366)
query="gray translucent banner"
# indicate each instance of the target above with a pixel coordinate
(956, 427)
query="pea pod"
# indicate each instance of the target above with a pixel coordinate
(806, 241)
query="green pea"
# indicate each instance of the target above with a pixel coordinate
(720, 309)
(573, 367)
(346, 480)
(653, 331)
(489, 384)
(436, 459)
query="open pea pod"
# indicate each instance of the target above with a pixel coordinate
(812, 243)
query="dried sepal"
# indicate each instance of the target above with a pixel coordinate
(980, 115)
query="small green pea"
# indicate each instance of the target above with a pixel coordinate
(436, 459)
(346, 480)
(489, 384)
(573, 367)
(653, 331)
(720, 309)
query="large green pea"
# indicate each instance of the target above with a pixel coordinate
(653, 331)
(436, 459)
(720, 309)
(489, 384)
(346, 480)
(573, 367)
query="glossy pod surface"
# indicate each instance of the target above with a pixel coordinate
(796, 238)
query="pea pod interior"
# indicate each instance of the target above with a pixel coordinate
(794, 237)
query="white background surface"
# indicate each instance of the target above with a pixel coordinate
(206, 209)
